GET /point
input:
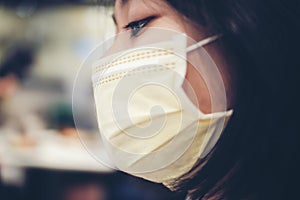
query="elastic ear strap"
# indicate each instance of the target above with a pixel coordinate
(203, 43)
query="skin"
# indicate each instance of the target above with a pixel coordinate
(166, 17)
(8, 85)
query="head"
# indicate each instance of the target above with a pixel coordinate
(14, 67)
(256, 55)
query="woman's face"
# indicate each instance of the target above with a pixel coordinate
(159, 14)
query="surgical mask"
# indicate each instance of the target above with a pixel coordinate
(148, 124)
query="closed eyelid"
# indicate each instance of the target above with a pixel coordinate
(137, 26)
(143, 21)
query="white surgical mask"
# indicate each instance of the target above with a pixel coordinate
(149, 126)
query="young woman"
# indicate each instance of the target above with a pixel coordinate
(256, 52)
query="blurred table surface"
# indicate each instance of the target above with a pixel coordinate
(48, 149)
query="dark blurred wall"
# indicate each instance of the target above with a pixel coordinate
(55, 2)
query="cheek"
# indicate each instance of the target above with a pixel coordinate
(209, 82)
(197, 90)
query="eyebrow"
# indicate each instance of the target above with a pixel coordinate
(123, 2)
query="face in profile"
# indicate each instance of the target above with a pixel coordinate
(160, 97)
(136, 15)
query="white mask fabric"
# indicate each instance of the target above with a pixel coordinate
(148, 124)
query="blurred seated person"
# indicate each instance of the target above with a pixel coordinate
(14, 68)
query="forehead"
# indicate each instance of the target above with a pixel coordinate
(124, 1)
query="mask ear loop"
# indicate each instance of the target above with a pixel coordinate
(203, 43)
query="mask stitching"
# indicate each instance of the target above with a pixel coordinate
(131, 58)
(104, 81)
(110, 78)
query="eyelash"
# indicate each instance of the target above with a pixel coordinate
(137, 26)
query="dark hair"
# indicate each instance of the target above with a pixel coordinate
(17, 62)
(257, 156)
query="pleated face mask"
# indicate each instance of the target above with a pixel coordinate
(148, 124)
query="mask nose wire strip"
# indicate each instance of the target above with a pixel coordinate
(202, 43)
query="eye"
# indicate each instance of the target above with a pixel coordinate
(137, 26)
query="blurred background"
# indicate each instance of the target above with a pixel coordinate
(42, 45)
